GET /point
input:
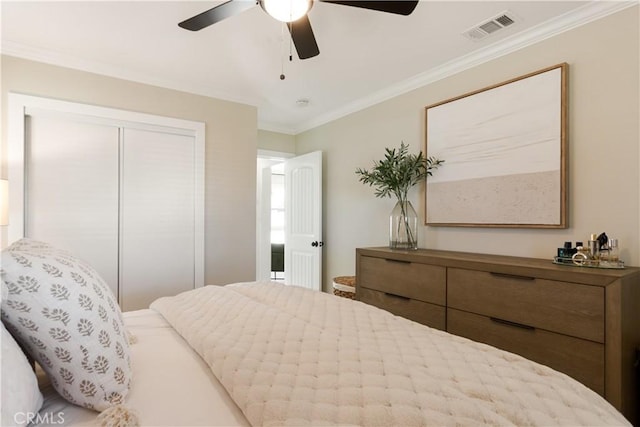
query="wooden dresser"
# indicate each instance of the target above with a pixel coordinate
(584, 322)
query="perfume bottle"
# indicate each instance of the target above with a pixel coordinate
(582, 254)
(614, 251)
(593, 247)
(604, 254)
(566, 251)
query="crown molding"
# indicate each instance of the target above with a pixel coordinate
(271, 127)
(588, 13)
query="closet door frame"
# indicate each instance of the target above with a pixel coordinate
(19, 106)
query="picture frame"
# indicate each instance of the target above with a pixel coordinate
(505, 154)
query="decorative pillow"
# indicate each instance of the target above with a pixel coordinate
(67, 319)
(21, 397)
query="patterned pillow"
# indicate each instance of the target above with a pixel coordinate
(67, 319)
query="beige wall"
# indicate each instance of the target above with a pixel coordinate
(274, 141)
(230, 153)
(603, 150)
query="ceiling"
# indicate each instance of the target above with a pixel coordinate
(365, 56)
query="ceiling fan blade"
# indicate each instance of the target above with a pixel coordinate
(216, 14)
(399, 7)
(303, 38)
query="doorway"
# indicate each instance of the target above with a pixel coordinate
(270, 215)
(278, 215)
(299, 219)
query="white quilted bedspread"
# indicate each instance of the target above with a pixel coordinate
(291, 356)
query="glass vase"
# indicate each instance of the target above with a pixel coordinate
(403, 226)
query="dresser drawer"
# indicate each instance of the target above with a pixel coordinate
(578, 358)
(567, 308)
(407, 279)
(422, 312)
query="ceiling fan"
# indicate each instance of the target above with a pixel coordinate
(294, 14)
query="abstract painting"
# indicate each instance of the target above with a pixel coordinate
(504, 149)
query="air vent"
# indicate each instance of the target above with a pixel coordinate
(482, 30)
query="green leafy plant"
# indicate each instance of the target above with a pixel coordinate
(396, 174)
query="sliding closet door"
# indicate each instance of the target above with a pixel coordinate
(121, 189)
(157, 216)
(71, 197)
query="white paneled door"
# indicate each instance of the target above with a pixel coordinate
(303, 226)
(122, 190)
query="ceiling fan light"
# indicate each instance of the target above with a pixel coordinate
(286, 10)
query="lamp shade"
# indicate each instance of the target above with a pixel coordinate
(4, 202)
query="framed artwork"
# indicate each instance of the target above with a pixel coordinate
(504, 149)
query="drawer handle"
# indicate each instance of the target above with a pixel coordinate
(401, 261)
(514, 324)
(512, 276)
(397, 296)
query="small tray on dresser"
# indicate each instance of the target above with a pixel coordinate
(588, 264)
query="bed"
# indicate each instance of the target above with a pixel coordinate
(263, 353)
(166, 370)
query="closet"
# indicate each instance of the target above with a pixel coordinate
(122, 190)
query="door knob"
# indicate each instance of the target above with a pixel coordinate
(317, 244)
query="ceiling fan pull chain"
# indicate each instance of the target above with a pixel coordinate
(282, 76)
(291, 46)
